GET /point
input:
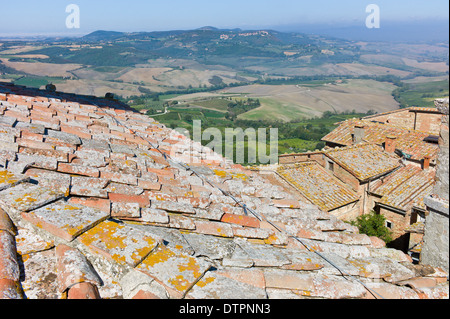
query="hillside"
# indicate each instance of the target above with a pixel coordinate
(145, 64)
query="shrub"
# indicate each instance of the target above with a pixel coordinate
(373, 224)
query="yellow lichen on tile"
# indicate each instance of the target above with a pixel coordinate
(180, 283)
(191, 266)
(7, 177)
(205, 281)
(160, 255)
(27, 198)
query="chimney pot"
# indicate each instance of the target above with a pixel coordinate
(390, 144)
(358, 134)
(426, 162)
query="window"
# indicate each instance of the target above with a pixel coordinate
(389, 224)
(331, 166)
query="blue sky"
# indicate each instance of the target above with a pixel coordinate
(48, 16)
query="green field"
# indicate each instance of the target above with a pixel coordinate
(423, 94)
(216, 104)
(36, 81)
(272, 108)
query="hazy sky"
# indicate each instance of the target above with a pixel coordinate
(49, 16)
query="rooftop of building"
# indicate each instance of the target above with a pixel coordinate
(411, 142)
(364, 161)
(406, 188)
(100, 201)
(318, 185)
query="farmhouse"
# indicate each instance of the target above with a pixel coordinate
(94, 204)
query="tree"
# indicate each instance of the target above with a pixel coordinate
(373, 224)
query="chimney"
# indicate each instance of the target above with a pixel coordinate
(390, 144)
(358, 134)
(426, 162)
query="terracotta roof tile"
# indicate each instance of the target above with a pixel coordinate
(174, 269)
(364, 161)
(120, 243)
(73, 268)
(406, 188)
(141, 225)
(409, 141)
(65, 220)
(317, 185)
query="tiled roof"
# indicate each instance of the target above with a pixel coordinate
(92, 208)
(408, 141)
(405, 188)
(364, 161)
(317, 185)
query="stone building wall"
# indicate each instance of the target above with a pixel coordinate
(399, 222)
(435, 251)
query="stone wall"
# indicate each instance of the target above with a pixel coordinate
(301, 158)
(399, 223)
(435, 251)
(442, 182)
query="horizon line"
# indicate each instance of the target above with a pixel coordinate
(282, 28)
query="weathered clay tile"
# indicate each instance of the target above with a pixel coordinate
(263, 255)
(83, 290)
(119, 177)
(214, 285)
(211, 246)
(8, 179)
(65, 220)
(153, 215)
(10, 289)
(6, 223)
(382, 268)
(28, 242)
(120, 243)
(175, 207)
(383, 290)
(137, 285)
(125, 210)
(41, 275)
(65, 137)
(9, 267)
(181, 222)
(175, 270)
(248, 232)
(247, 221)
(26, 197)
(213, 228)
(78, 170)
(335, 287)
(73, 268)
(98, 203)
(143, 199)
(124, 189)
(288, 279)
